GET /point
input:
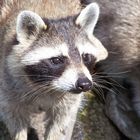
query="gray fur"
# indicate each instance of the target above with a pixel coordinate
(118, 29)
(50, 106)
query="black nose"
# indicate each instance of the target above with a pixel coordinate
(83, 84)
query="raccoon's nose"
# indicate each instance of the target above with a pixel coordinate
(83, 84)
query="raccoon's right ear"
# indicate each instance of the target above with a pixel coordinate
(88, 18)
(29, 24)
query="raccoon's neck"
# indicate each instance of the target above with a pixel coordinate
(63, 116)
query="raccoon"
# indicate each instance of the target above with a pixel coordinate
(47, 56)
(118, 29)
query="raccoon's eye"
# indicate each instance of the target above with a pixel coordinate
(88, 58)
(57, 60)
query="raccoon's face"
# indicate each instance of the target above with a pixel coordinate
(58, 53)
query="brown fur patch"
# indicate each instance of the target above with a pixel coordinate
(45, 8)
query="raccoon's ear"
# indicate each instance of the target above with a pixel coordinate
(28, 25)
(88, 18)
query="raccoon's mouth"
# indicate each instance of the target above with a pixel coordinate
(75, 91)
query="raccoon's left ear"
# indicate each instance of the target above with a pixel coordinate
(29, 24)
(88, 18)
